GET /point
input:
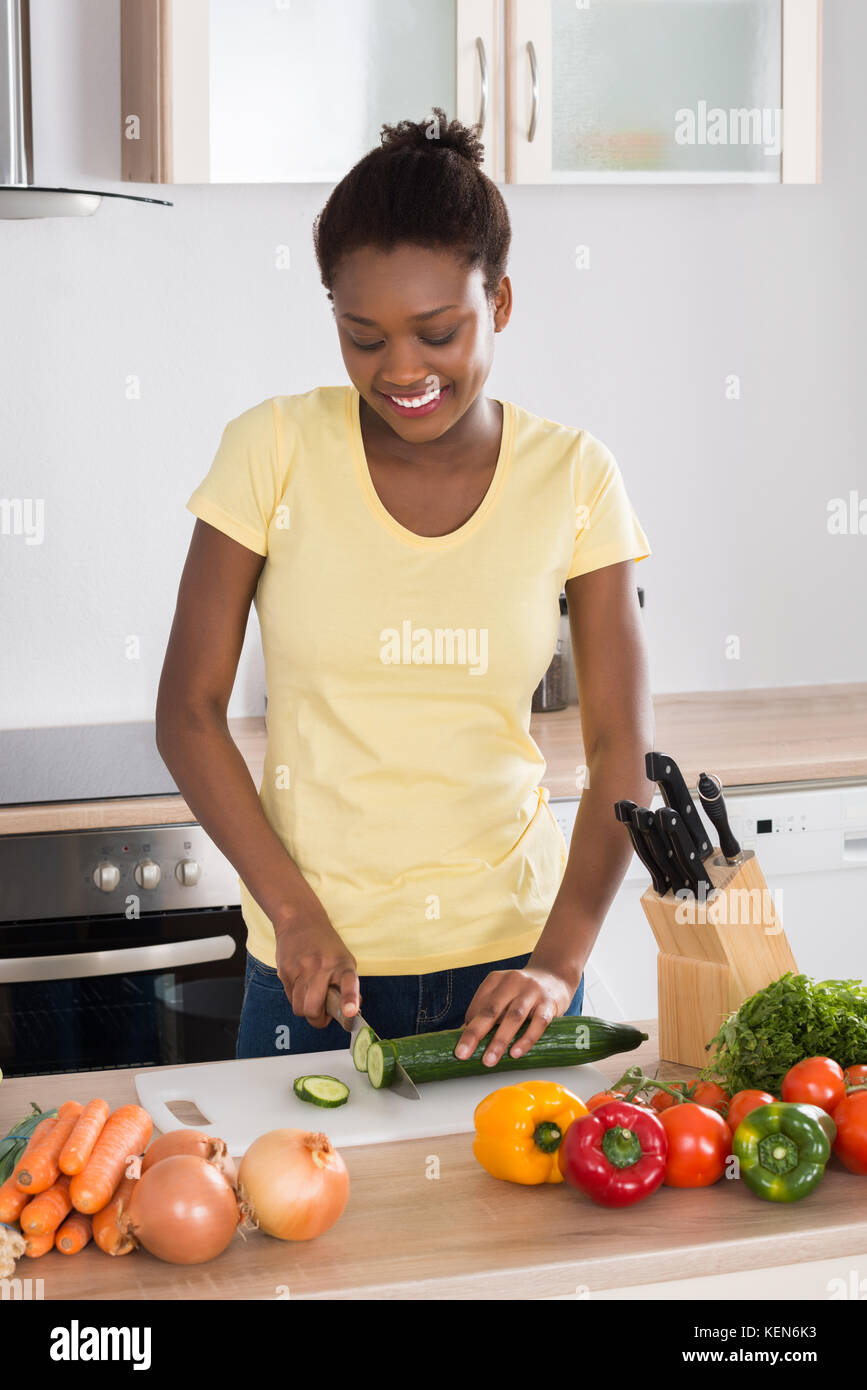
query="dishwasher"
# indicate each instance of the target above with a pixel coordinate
(811, 842)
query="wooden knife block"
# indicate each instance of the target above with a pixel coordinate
(710, 962)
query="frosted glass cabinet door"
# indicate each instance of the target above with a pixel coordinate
(299, 89)
(254, 91)
(665, 90)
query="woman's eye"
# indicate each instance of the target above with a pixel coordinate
(433, 342)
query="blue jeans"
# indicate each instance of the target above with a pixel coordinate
(395, 1006)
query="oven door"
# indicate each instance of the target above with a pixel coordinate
(104, 992)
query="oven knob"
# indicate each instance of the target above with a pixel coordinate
(188, 872)
(106, 877)
(147, 873)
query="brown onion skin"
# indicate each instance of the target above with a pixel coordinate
(161, 1211)
(269, 1215)
(190, 1141)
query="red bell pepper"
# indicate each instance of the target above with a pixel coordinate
(616, 1154)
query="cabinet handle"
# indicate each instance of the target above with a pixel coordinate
(534, 75)
(483, 76)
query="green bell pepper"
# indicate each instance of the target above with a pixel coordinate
(782, 1149)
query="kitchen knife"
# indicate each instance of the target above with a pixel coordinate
(623, 812)
(665, 771)
(711, 796)
(402, 1084)
(658, 846)
(685, 854)
(672, 825)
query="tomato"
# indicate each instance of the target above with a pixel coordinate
(815, 1081)
(604, 1097)
(699, 1142)
(856, 1076)
(661, 1100)
(743, 1102)
(850, 1146)
(710, 1094)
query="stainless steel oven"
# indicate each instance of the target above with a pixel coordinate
(120, 947)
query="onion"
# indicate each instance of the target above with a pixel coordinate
(182, 1210)
(292, 1184)
(190, 1141)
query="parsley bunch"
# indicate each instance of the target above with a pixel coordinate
(793, 1018)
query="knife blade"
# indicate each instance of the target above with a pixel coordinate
(711, 796)
(664, 770)
(402, 1085)
(672, 825)
(623, 811)
(659, 847)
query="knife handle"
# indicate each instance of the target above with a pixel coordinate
(662, 769)
(332, 1007)
(673, 828)
(712, 799)
(623, 812)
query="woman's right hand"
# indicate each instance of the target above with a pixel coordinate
(310, 958)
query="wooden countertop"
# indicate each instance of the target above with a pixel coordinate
(465, 1235)
(803, 733)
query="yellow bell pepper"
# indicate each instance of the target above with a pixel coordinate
(520, 1128)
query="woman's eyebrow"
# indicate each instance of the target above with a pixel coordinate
(426, 314)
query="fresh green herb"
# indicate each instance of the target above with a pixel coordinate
(15, 1142)
(793, 1018)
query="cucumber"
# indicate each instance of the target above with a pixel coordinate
(363, 1038)
(566, 1042)
(381, 1063)
(321, 1090)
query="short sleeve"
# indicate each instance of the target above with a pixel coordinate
(607, 531)
(242, 488)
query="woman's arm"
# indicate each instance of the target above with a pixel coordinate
(618, 729)
(192, 734)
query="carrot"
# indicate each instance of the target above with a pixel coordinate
(79, 1146)
(74, 1234)
(105, 1229)
(34, 1246)
(40, 1170)
(43, 1215)
(12, 1199)
(126, 1133)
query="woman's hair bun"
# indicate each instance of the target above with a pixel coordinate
(437, 132)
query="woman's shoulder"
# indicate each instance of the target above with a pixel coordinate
(559, 437)
(285, 411)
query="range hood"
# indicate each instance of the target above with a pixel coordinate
(20, 197)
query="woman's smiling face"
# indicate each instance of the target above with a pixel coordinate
(415, 324)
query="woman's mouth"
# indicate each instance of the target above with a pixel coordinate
(423, 404)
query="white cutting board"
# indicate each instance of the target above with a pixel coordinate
(243, 1099)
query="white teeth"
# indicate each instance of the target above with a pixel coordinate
(415, 401)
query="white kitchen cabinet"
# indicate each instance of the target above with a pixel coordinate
(295, 91)
(663, 91)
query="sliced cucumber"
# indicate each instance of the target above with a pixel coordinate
(381, 1063)
(321, 1090)
(363, 1038)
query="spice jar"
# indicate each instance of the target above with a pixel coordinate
(552, 691)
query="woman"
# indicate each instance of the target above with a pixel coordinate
(406, 539)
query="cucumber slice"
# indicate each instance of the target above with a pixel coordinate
(381, 1063)
(321, 1090)
(363, 1038)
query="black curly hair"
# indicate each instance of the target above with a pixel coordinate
(424, 185)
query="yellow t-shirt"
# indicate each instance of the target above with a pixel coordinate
(399, 771)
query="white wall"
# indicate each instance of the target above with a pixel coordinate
(686, 285)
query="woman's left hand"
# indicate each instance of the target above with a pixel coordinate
(511, 996)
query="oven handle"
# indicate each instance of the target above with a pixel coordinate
(162, 956)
